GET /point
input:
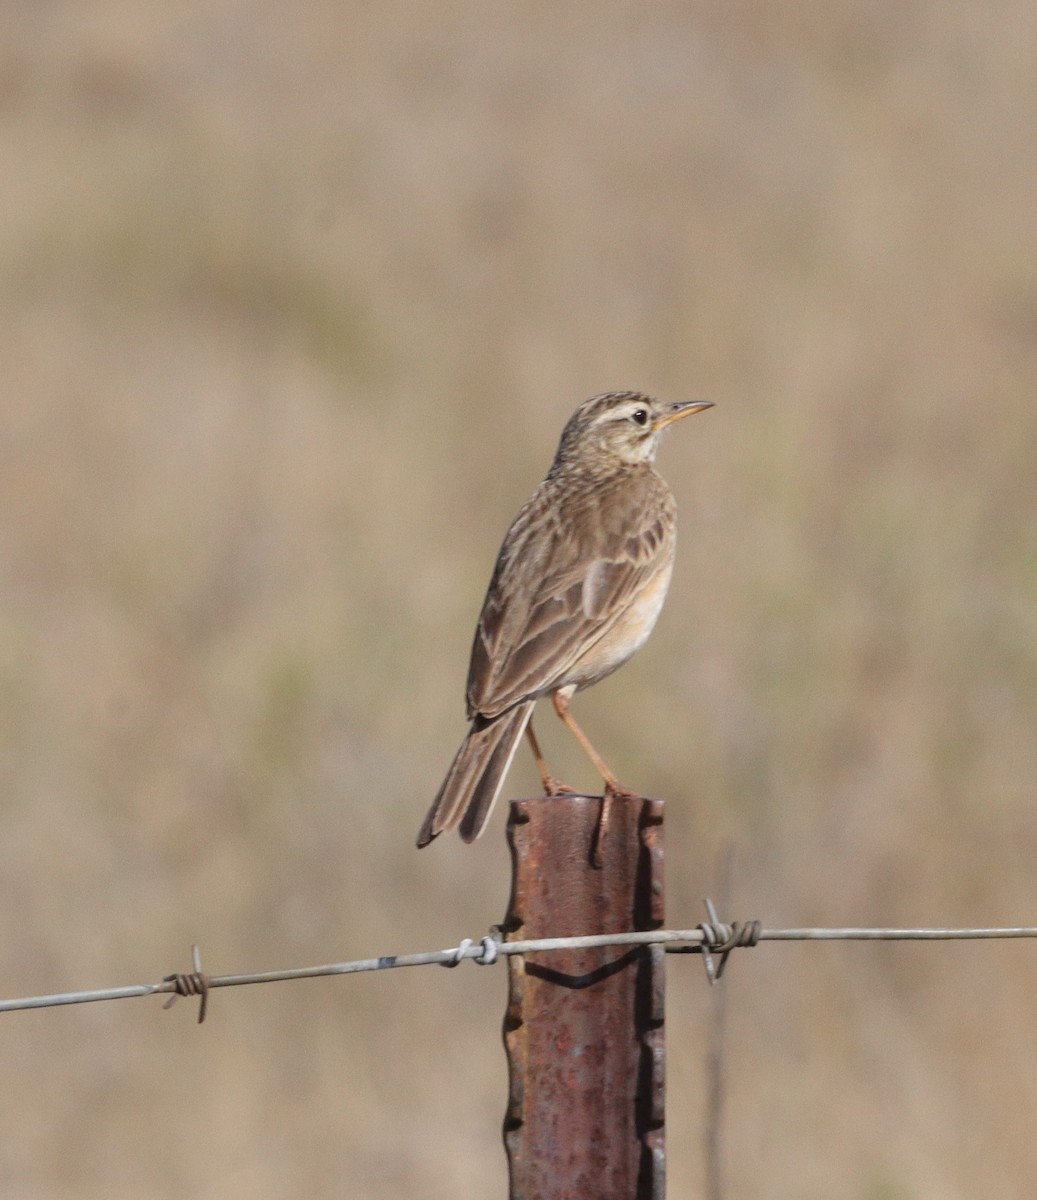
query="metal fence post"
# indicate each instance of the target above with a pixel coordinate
(584, 1028)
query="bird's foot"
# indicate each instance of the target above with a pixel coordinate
(553, 788)
(613, 791)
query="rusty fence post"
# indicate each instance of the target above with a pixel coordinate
(584, 1028)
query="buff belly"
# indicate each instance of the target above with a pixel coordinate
(624, 639)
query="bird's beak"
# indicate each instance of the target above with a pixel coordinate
(678, 411)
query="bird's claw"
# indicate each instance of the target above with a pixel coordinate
(613, 791)
(553, 788)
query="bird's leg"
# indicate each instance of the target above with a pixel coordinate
(613, 788)
(551, 785)
(612, 784)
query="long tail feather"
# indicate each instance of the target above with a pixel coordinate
(476, 775)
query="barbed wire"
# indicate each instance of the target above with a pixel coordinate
(707, 938)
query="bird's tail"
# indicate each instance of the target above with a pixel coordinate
(476, 775)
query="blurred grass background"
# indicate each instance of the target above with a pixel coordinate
(294, 301)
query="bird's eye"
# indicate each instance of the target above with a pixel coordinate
(639, 416)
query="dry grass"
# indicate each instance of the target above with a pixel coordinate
(293, 304)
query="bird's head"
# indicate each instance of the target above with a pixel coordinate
(619, 428)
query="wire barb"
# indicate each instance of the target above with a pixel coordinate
(720, 938)
(195, 984)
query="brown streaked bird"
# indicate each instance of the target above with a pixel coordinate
(578, 585)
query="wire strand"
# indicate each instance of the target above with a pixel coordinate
(688, 940)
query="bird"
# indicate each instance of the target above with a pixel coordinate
(579, 582)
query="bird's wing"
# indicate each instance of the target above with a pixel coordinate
(559, 585)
